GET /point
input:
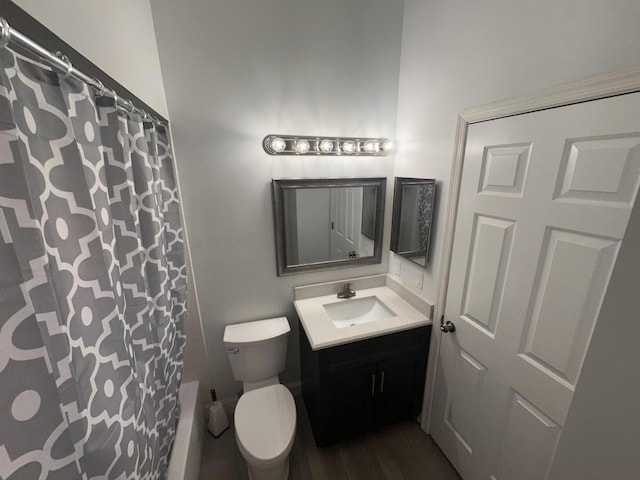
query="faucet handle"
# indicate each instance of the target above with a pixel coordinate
(347, 291)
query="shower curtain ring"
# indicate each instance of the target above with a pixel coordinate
(5, 36)
(100, 87)
(115, 97)
(66, 60)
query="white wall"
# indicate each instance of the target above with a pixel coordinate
(236, 70)
(458, 54)
(116, 35)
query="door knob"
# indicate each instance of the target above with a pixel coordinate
(448, 326)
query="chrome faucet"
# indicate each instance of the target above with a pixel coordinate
(347, 292)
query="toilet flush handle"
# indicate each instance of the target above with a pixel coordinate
(233, 350)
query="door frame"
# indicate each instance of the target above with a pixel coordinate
(595, 88)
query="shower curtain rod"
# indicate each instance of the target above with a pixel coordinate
(9, 35)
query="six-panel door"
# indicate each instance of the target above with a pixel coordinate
(544, 204)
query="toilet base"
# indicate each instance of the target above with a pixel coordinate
(277, 472)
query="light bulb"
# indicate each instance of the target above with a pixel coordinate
(387, 146)
(371, 146)
(278, 145)
(326, 146)
(302, 146)
(348, 146)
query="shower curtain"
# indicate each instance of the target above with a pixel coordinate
(425, 204)
(92, 283)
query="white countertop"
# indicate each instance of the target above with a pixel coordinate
(322, 333)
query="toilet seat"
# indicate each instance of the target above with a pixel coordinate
(265, 424)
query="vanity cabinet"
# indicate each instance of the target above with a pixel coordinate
(363, 385)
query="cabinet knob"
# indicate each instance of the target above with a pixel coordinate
(373, 385)
(382, 382)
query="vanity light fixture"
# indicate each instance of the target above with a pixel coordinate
(277, 144)
(371, 146)
(348, 147)
(302, 146)
(308, 145)
(326, 146)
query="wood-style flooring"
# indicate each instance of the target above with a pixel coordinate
(398, 452)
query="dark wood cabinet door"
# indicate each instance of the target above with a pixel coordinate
(348, 403)
(397, 393)
(352, 388)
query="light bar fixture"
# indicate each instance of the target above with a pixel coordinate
(305, 145)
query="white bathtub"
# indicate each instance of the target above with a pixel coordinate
(187, 448)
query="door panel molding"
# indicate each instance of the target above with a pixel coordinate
(481, 298)
(504, 169)
(462, 400)
(599, 171)
(568, 259)
(594, 88)
(529, 439)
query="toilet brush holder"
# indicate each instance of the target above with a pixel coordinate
(218, 420)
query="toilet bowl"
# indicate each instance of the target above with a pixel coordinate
(265, 421)
(265, 416)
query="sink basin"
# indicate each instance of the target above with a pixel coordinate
(356, 311)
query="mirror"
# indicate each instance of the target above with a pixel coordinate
(324, 223)
(413, 204)
(368, 212)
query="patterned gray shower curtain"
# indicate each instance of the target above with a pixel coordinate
(92, 283)
(425, 204)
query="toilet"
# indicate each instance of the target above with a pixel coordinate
(265, 416)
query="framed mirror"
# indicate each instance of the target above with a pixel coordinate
(413, 205)
(325, 223)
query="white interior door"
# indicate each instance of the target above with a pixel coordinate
(346, 216)
(545, 200)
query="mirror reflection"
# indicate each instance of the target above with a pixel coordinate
(413, 204)
(324, 224)
(327, 223)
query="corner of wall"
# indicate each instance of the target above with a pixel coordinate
(196, 364)
(196, 357)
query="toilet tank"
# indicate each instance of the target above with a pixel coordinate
(257, 350)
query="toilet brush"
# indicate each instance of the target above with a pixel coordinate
(218, 420)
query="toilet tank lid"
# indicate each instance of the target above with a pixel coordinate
(256, 331)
